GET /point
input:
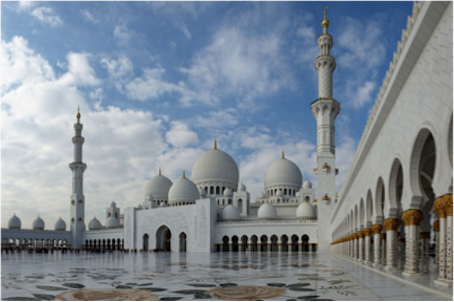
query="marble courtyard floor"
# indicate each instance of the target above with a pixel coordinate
(187, 276)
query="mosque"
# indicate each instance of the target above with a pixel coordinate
(396, 199)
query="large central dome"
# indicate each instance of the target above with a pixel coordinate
(283, 172)
(215, 166)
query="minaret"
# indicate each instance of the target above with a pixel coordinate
(77, 196)
(325, 110)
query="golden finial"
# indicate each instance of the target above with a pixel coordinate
(78, 113)
(159, 170)
(215, 143)
(184, 174)
(325, 22)
(283, 152)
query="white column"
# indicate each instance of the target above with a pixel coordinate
(367, 233)
(437, 242)
(412, 251)
(391, 225)
(360, 246)
(424, 259)
(377, 254)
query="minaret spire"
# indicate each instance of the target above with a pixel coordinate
(77, 195)
(215, 143)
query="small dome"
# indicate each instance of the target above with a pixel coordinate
(305, 210)
(94, 224)
(60, 225)
(158, 186)
(38, 224)
(279, 193)
(298, 193)
(163, 204)
(267, 211)
(113, 204)
(307, 184)
(283, 172)
(14, 222)
(112, 222)
(228, 192)
(183, 190)
(202, 192)
(262, 195)
(140, 207)
(230, 212)
(242, 188)
(150, 197)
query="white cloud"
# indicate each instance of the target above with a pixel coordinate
(238, 65)
(185, 31)
(181, 136)
(122, 34)
(21, 65)
(363, 94)
(218, 119)
(118, 68)
(79, 71)
(89, 17)
(46, 15)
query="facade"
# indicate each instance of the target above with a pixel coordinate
(397, 197)
(396, 200)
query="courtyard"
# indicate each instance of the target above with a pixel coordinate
(199, 276)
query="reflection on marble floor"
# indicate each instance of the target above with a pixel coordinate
(171, 277)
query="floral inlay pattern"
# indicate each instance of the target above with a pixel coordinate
(245, 292)
(107, 295)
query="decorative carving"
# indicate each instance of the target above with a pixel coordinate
(245, 292)
(448, 204)
(391, 224)
(315, 200)
(109, 294)
(437, 226)
(376, 228)
(367, 232)
(326, 198)
(326, 166)
(360, 234)
(412, 217)
(442, 204)
(424, 235)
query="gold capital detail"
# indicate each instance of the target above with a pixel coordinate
(367, 232)
(436, 226)
(391, 224)
(412, 217)
(424, 235)
(360, 234)
(443, 205)
(376, 228)
(383, 236)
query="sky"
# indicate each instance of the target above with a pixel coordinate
(157, 81)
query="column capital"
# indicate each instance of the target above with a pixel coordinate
(367, 232)
(437, 226)
(412, 217)
(443, 205)
(360, 234)
(391, 224)
(376, 228)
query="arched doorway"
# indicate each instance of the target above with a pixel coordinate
(264, 243)
(183, 242)
(145, 242)
(244, 246)
(254, 245)
(305, 245)
(225, 244)
(274, 246)
(284, 244)
(234, 244)
(294, 243)
(163, 237)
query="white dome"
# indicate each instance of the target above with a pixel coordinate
(163, 204)
(230, 212)
(228, 192)
(14, 222)
(94, 224)
(307, 184)
(38, 224)
(283, 172)
(242, 188)
(279, 193)
(112, 222)
(215, 166)
(140, 207)
(60, 225)
(305, 210)
(267, 211)
(158, 186)
(298, 193)
(183, 190)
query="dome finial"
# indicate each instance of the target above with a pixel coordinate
(283, 152)
(184, 174)
(325, 22)
(215, 143)
(78, 114)
(159, 170)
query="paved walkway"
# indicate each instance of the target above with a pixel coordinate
(186, 276)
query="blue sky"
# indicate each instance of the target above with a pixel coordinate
(156, 81)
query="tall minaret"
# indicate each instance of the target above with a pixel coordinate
(325, 110)
(77, 195)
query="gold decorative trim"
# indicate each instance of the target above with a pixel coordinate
(376, 228)
(412, 217)
(326, 197)
(391, 224)
(360, 234)
(437, 226)
(367, 232)
(443, 205)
